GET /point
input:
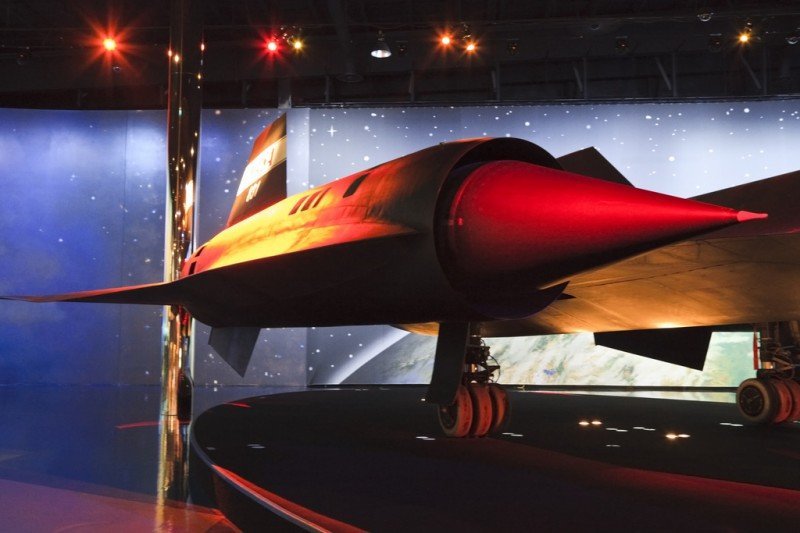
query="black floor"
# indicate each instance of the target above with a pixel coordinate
(374, 459)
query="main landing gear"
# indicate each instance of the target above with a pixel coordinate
(470, 404)
(773, 396)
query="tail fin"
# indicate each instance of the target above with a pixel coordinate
(590, 162)
(264, 179)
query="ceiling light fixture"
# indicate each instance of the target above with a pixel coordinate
(747, 34)
(293, 37)
(402, 48)
(512, 47)
(470, 46)
(622, 45)
(23, 56)
(715, 42)
(381, 50)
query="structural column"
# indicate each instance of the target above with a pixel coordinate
(183, 136)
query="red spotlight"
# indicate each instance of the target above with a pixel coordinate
(109, 45)
(272, 45)
(445, 40)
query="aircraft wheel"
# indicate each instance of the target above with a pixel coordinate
(482, 409)
(784, 404)
(456, 419)
(501, 408)
(794, 388)
(757, 401)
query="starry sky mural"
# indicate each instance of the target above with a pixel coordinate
(84, 195)
(684, 149)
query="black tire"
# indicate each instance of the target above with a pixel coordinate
(783, 397)
(757, 401)
(501, 409)
(456, 419)
(794, 388)
(482, 410)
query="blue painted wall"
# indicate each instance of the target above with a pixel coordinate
(82, 201)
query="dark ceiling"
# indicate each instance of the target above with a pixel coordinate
(527, 51)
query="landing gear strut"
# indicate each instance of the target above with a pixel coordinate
(470, 403)
(773, 396)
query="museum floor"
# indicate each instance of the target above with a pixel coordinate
(87, 459)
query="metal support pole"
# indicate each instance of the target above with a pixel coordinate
(585, 64)
(496, 82)
(578, 79)
(749, 70)
(664, 77)
(674, 74)
(183, 135)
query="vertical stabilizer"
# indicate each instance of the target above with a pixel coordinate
(590, 162)
(263, 182)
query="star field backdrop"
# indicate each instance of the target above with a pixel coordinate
(82, 207)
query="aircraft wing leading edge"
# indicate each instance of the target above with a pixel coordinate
(164, 293)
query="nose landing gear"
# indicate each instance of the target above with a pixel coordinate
(773, 396)
(478, 407)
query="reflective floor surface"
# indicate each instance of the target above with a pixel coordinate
(373, 459)
(84, 458)
(90, 458)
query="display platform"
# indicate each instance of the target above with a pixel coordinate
(373, 459)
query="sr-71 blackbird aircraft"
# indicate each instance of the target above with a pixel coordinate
(496, 237)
